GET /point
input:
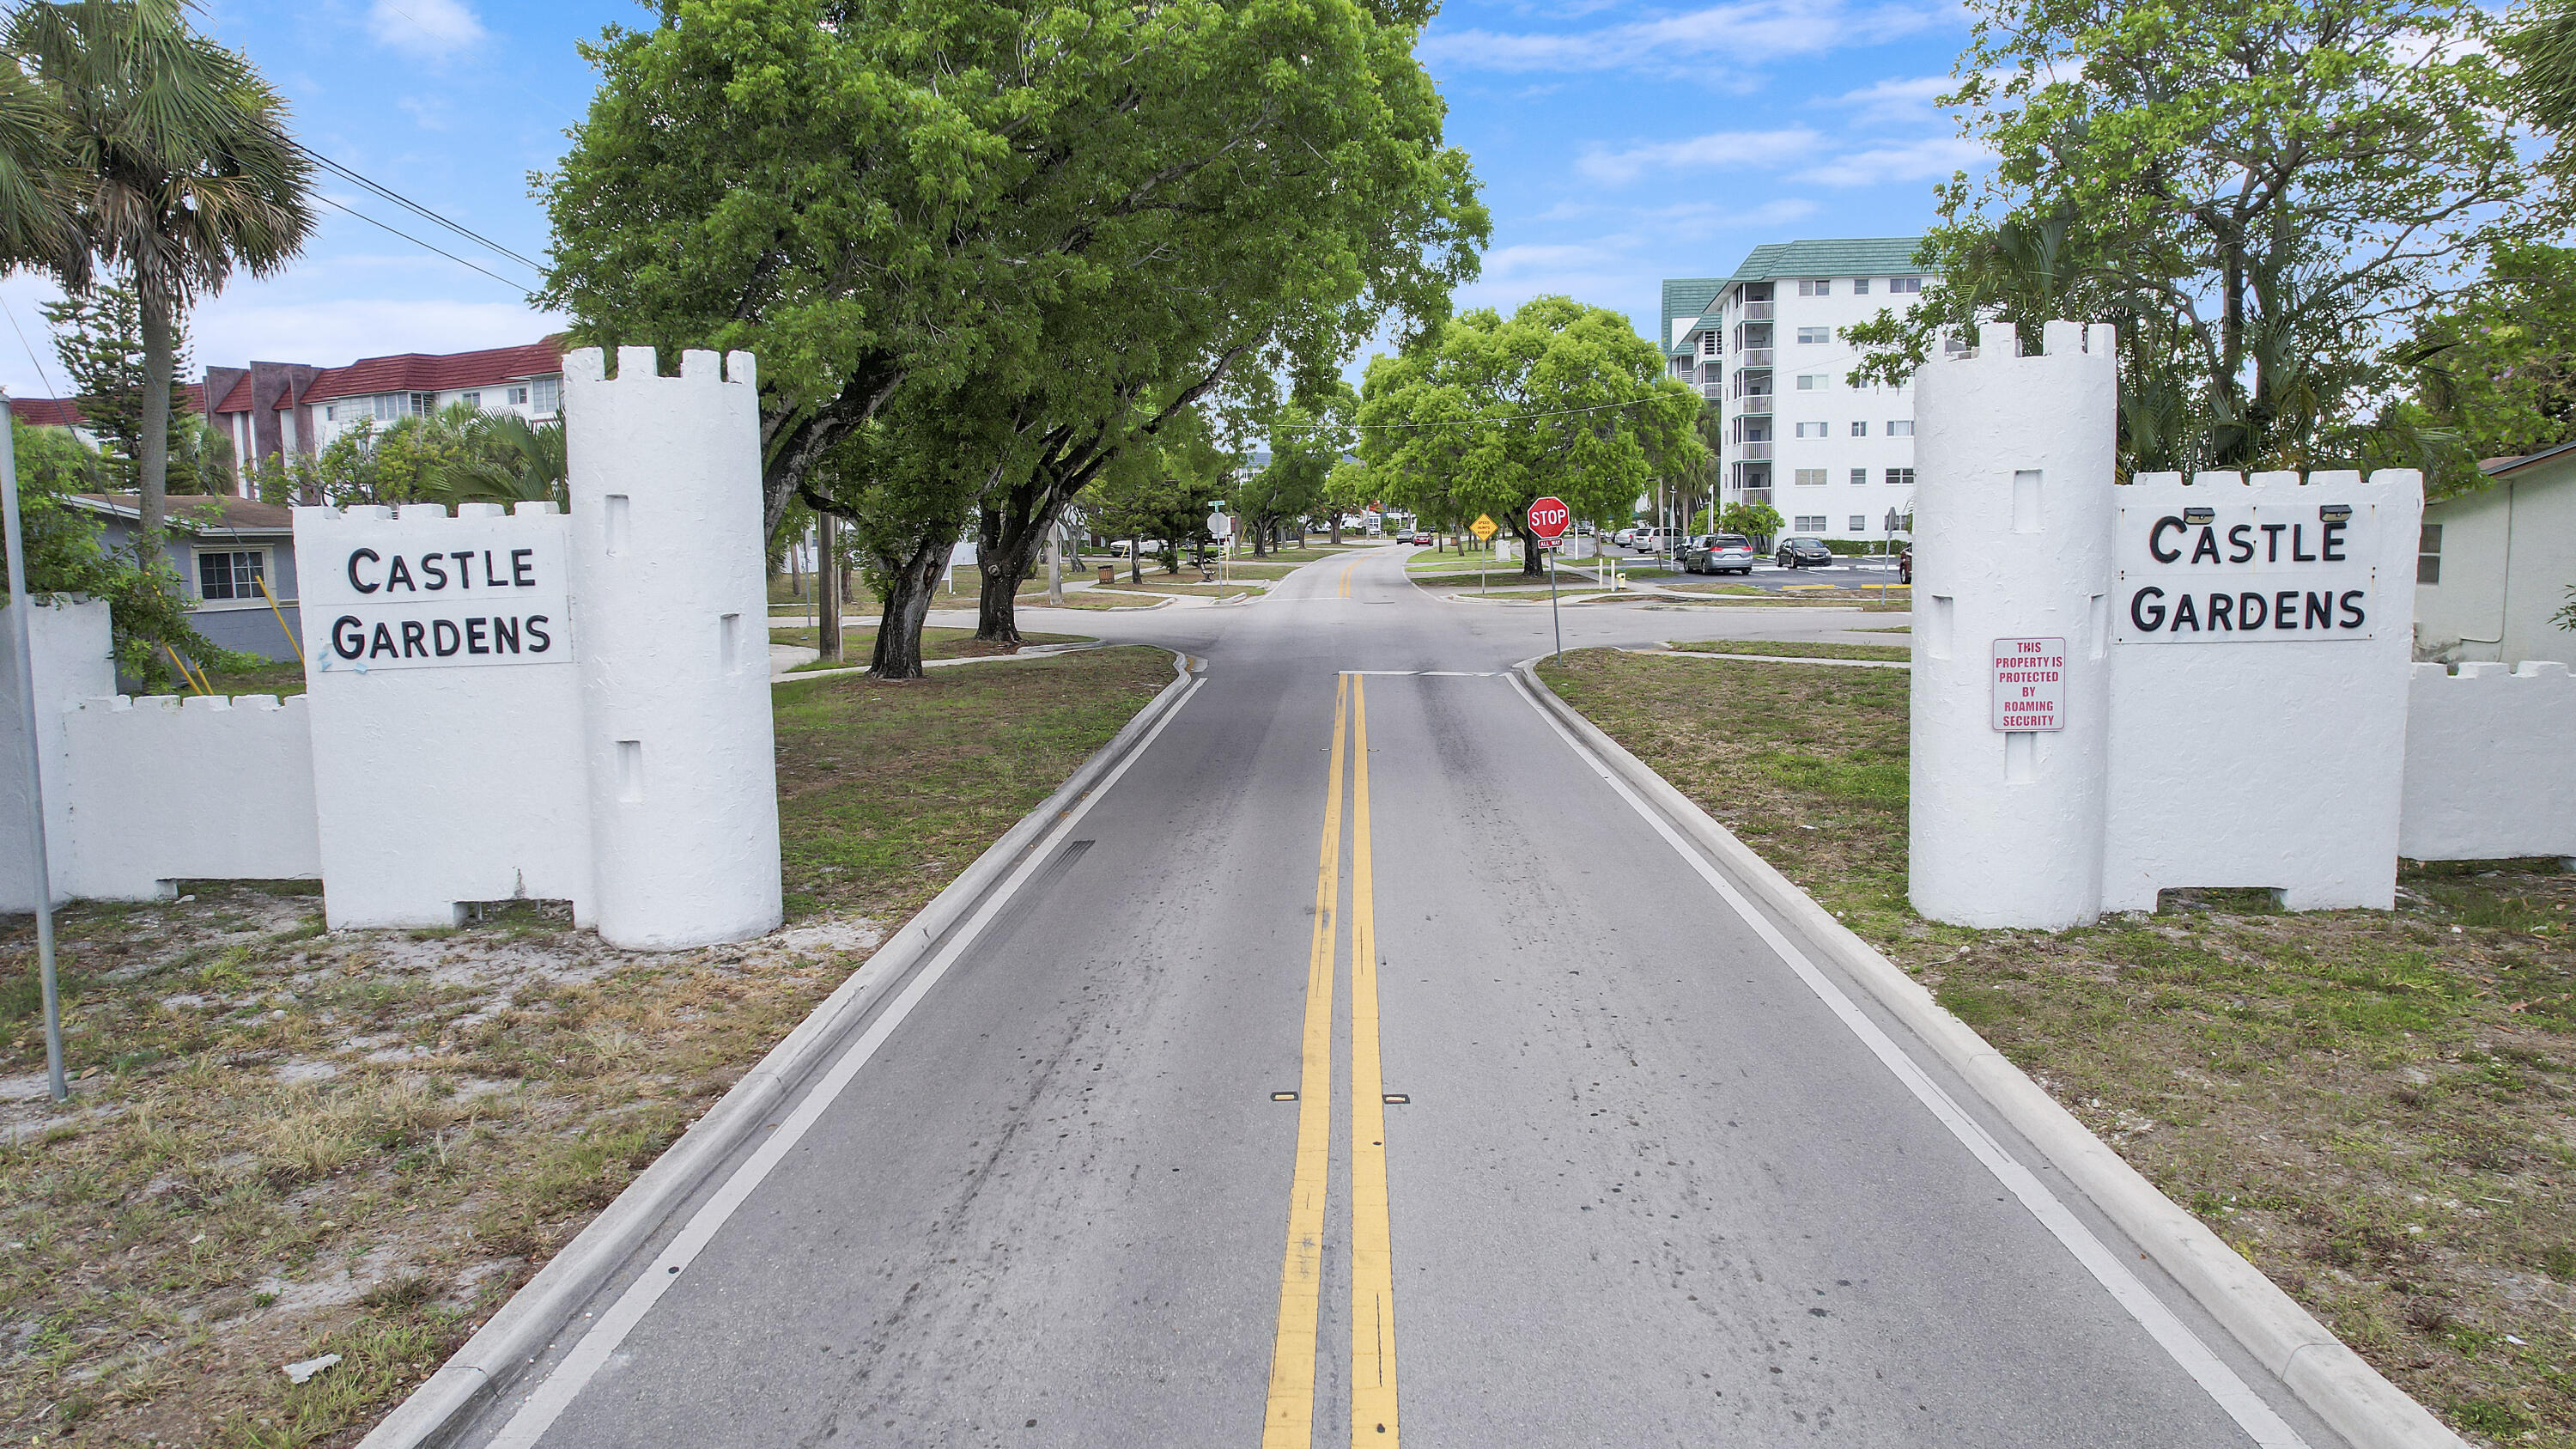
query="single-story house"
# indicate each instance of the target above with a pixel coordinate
(2495, 566)
(224, 550)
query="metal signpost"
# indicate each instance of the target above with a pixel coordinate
(1484, 529)
(26, 672)
(1548, 518)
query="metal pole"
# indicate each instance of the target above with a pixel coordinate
(1552, 616)
(26, 672)
(1055, 566)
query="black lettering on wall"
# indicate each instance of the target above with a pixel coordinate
(474, 629)
(2352, 615)
(2221, 607)
(2240, 543)
(2155, 540)
(2272, 536)
(465, 567)
(2251, 611)
(522, 572)
(505, 634)
(2297, 532)
(434, 570)
(538, 642)
(348, 636)
(2285, 609)
(444, 638)
(399, 573)
(382, 642)
(2147, 609)
(355, 582)
(2320, 612)
(2185, 613)
(415, 639)
(2207, 544)
(2331, 548)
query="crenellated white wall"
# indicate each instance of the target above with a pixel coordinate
(72, 644)
(2488, 752)
(163, 788)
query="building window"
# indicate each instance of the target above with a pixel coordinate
(1708, 344)
(231, 575)
(1900, 427)
(1809, 478)
(1815, 334)
(1859, 523)
(518, 397)
(1860, 477)
(330, 412)
(1810, 523)
(1817, 288)
(2428, 555)
(1905, 284)
(383, 406)
(1860, 286)
(1812, 430)
(1860, 430)
(1815, 381)
(472, 400)
(549, 394)
(1900, 477)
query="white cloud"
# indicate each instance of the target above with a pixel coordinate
(1720, 150)
(425, 27)
(1725, 34)
(1721, 216)
(1896, 102)
(1932, 158)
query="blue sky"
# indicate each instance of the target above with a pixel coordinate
(1618, 145)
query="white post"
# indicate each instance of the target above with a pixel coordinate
(25, 666)
(2013, 543)
(665, 475)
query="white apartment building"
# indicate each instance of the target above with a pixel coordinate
(1833, 458)
(270, 408)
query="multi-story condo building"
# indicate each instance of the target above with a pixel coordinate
(269, 408)
(1831, 457)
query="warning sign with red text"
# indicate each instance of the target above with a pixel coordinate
(2030, 684)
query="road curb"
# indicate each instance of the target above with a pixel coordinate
(2329, 1378)
(526, 1325)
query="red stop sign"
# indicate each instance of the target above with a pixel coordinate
(1549, 517)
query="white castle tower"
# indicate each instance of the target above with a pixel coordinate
(674, 658)
(2012, 548)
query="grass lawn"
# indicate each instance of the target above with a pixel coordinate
(2373, 1107)
(935, 644)
(287, 1143)
(273, 678)
(1153, 586)
(1307, 554)
(1797, 649)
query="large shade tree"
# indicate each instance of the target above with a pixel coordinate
(1494, 413)
(177, 171)
(2261, 195)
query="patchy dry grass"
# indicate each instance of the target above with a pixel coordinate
(287, 1143)
(1154, 584)
(2374, 1107)
(939, 643)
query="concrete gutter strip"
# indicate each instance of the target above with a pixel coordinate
(2332, 1380)
(527, 1325)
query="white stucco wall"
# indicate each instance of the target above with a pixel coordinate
(162, 789)
(667, 534)
(2267, 759)
(440, 780)
(2487, 762)
(2508, 559)
(71, 644)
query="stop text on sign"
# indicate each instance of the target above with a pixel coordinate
(438, 593)
(2030, 684)
(2246, 573)
(1549, 517)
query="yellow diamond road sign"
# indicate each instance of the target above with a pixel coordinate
(1484, 527)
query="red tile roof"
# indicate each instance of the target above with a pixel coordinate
(237, 398)
(65, 412)
(436, 372)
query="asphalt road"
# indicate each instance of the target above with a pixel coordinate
(1644, 1185)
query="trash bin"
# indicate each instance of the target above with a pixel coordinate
(1108, 574)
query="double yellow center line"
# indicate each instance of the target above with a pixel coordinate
(1289, 1420)
(1344, 592)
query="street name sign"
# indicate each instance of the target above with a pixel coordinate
(1549, 517)
(2030, 684)
(1484, 527)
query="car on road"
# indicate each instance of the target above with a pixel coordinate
(1149, 547)
(1653, 540)
(1420, 536)
(1718, 553)
(1800, 551)
(1624, 537)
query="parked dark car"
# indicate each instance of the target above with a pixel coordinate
(1718, 553)
(1799, 551)
(1905, 565)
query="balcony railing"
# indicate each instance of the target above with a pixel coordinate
(1712, 390)
(1753, 357)
(1751, 403)
(1750, 452)
(1757, 495)
(1757, 311)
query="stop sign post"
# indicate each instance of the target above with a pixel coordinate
(1549, 518)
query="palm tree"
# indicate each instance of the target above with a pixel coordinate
(184, 170)
(503, 458)
(36, 189)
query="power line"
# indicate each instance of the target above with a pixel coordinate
(41, 375)
(414, 207)
(1479, 422)
(416, 241)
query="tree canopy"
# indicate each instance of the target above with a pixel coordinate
(2260, 195)
(1493, 413)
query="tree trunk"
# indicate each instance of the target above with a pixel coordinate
(997, 605)
(827, 591)
(908, 587)
(1337, 528)
(1259, 532)
(153, 464)
(1135, 558)
(1531, 567)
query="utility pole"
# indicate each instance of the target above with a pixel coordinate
(827, 586)
(1055, 566)
(26, 681)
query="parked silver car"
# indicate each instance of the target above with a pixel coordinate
(1718, 553)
